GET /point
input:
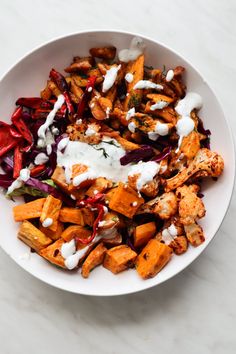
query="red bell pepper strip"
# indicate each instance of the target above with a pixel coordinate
(35, 171)
(99, 217)
(92, 202)
(7, 140)
(61, 83)
(33, 102)
(20, 125)
(18, 160)
(86, 95)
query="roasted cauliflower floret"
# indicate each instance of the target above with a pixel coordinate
(150, 189)
(194, 234)
(209, 162)
(191, 206)
(87, 133)
(166, 206)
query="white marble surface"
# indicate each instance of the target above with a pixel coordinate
(193, 313)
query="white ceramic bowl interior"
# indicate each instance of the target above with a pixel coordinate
(28, 77)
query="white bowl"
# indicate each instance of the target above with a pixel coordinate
(28, 77)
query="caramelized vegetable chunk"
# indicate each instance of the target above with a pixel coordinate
(143, 233)
(99, 185)
(125, 200)
(51, 210)
(32, 236)
(152, 259)
(104, 52)
(29, 210)
(54, 235)
(194, 234)
(94, 259)
(52, 253)
(72, 215)
(119, 258)
(75, 231)
(166, 205)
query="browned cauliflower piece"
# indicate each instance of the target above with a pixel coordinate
(150, 189)
(194, 234)
(191, 206)
(88, 133)
(207, 161)
(179, 245)
(166, 205)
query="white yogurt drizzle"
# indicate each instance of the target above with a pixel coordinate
(146, 171)
(63, 143)
(159, 105)
(146, 84)
(23, 177)
(49, 120)
(129, 77)
(136, 48)
(72, 257)
(47, 222)
(160, 129)
(90, 131)
(169, 234)
(132, 127)
(110, 78)
(169, 75)
(185, 124)
(99, 165)
(130, 113)
(41, 158)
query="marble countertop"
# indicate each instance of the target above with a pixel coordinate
(194, 312)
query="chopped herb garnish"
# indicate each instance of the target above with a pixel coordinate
(111, 142)
(105, 154)
(148, 67)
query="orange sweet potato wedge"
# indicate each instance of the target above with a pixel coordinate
(119, 258)
(152, 259)
(143, 233)
(32, 236)
(54, 235)
(95, 258)
(72, 215)
(52, 253)
(51, 210)
(29, 210)
(75, 231)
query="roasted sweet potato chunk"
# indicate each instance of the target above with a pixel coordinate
(119, 258)
(143, 233)
(51, 210)
(99, 186)
(52, 253)
(32, 236)
(72, 215)
(94, 259)
(54, 235)
(152, 259)
(29, 210)
(125, 200)
(75, 231)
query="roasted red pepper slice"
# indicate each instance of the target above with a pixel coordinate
(86, 241)
(33, 102)
(91, 200)
(15, 133)
(61, 83)
(35, 171)
(19, 123)
(86, 96)
(18, 160)
(7, 140)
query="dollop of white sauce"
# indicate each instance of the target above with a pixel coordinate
(129, 77)
(93, 157)
(169, 234)
(88, 175)
(49, 149)
(159, 105)
(146, 171)
(90, 131)
(136, 48)
(23, 177)
(131, 127)
(50, 118)
(72, 257)
(160, 129)
(146, 84)
(41, 158)
(63, 143)
(130, 113)
(110, 78)
(185, 124)
(47, 222)
(169, 75)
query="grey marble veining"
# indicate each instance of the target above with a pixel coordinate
(194, 312)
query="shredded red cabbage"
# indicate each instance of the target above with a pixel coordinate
(144, 153)
(165, 153)
(5, 180)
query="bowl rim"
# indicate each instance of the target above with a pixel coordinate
(146, 285)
